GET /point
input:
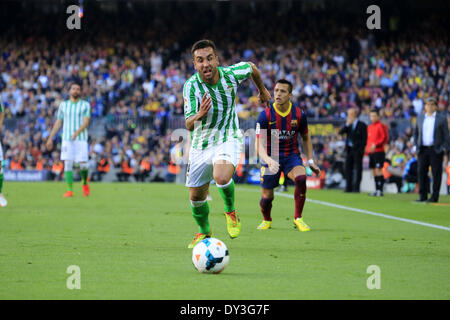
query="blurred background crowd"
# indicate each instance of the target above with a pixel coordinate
(133, 65)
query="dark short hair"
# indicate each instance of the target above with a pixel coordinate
(201, 44)
(74, 83)
(284, 81)
(375, 110)
(431, 100)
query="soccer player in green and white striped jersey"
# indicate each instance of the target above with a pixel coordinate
(3, 201)
(216, 141)
(73, 116)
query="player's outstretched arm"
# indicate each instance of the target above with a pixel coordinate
(307, 146)
(274, 166)
(264, 94)
(205, 105)
(56, 127)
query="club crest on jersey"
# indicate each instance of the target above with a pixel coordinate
(294, 122)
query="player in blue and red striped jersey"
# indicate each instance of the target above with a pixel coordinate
(278, 130)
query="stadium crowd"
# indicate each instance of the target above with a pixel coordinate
(140, 83)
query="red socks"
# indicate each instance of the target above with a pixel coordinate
(266, 207)
(299, 195)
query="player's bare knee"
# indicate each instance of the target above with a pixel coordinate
(267, 193)
(296, 172)
(198, 194)
(223, 172)
(198, 198)
(222, 180)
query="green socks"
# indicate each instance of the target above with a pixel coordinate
(84, 175)
(227, 193)
(69, 179)
(200, 209)
(1, 182)
(200, 212)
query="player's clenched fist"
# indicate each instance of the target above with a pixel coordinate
(49, 144)
(315, 169)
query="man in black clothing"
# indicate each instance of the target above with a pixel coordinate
(355, 144)
(431, 137)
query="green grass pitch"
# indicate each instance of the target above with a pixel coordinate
(130, 242)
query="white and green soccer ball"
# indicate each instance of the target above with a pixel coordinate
(210, 256)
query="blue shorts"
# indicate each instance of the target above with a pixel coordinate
(270, 180)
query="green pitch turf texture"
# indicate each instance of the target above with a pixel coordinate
(130, 242)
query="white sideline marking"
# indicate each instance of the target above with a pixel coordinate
(329, 204)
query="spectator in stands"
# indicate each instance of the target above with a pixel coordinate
(103, 167)
(159, 169)
(57, 170)
(132, 85)
(144, 169)
(410, 173)
(392, 174)
(17, 163)
(126, 169)
(40, 163)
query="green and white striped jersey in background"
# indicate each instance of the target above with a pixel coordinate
(221, 123)
(72, 114)
(1, 107)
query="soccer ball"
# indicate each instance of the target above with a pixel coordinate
(210, 256)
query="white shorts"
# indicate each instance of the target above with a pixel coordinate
(77, 151)
(1, 152)
(201, 162)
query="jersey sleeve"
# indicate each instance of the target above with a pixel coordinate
(241, 71)
(190, 102)
(262, 120)
(87, 110)
(60, 114)
(303, 126)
